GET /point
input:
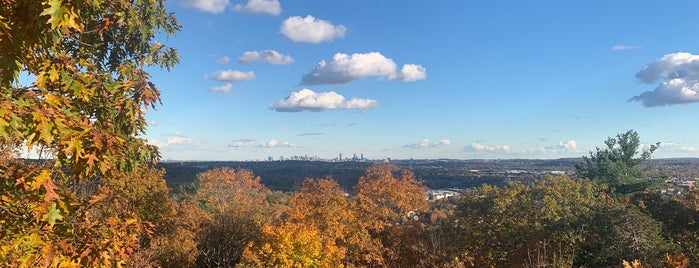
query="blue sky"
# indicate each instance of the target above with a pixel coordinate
(435, 79)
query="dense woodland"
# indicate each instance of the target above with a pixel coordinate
(96, 198)
(288, 175)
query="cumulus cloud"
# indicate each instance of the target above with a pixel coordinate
(268, 56)
(625, 47)
(276, 144)
(426, 143)
(173, 139)
(260, 6)
(413, 72)
(223, 60)
(212, 6)
(343, 69)
(308, 100)
(477, 147)
(178, 139)
(231, 76)
(570, 145)
(311, 30)
(679, 80)
(226, 89)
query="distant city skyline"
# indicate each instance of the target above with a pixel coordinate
(426, 80)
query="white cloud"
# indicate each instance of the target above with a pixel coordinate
(311, 30)
(226, 89)
(625, 47)
(413, 72)
(212, 6)
(343, 69)
(231, 76)
(688, 148)
(675, 147)
(308, 100)
(223, 60)
(477, 147)
(155, 143)
(276, 144)
(679, 76)
(260, 6)
(239, 143)
(268, 56)
(179, 140)
(426, 143)
(570, 145)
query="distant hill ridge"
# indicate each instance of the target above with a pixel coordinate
(436, 173)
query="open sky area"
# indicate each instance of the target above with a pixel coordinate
(427, 79)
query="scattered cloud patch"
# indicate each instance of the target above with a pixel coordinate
(311, 134)
(688, 148)
(178, 140)
(477, 147)
(276, 144)
(570, 145)
(240, 143)
(268, 56)
(679, 80)
(309, 100)
(426, 143)
(311, 30)
(211, 6)
(248, 143)
(625, 47)
(675, 147)
(413, 72)
(343, 69)
(271, 7)
(231, 76)
(172, 139)
(225, 89)
(156, 143)
(223, 60)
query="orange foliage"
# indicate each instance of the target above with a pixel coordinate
(384, 198)
(236, 207)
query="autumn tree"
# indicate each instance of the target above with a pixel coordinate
(679, 216)
(236, 205)
(621, 231)
(319, 209)
(539, 225)
(389, 200)
(618, 163)
(84, 108)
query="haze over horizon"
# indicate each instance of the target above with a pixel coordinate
(447, 79)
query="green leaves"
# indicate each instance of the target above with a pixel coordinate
(53, 215)
(83, 112)
(617, 164)
(61, 15)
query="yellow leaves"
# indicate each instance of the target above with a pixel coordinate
(291, 245)
(61, 15)
(633, 264)
(384, 198)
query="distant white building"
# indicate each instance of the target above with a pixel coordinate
(440, 193)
